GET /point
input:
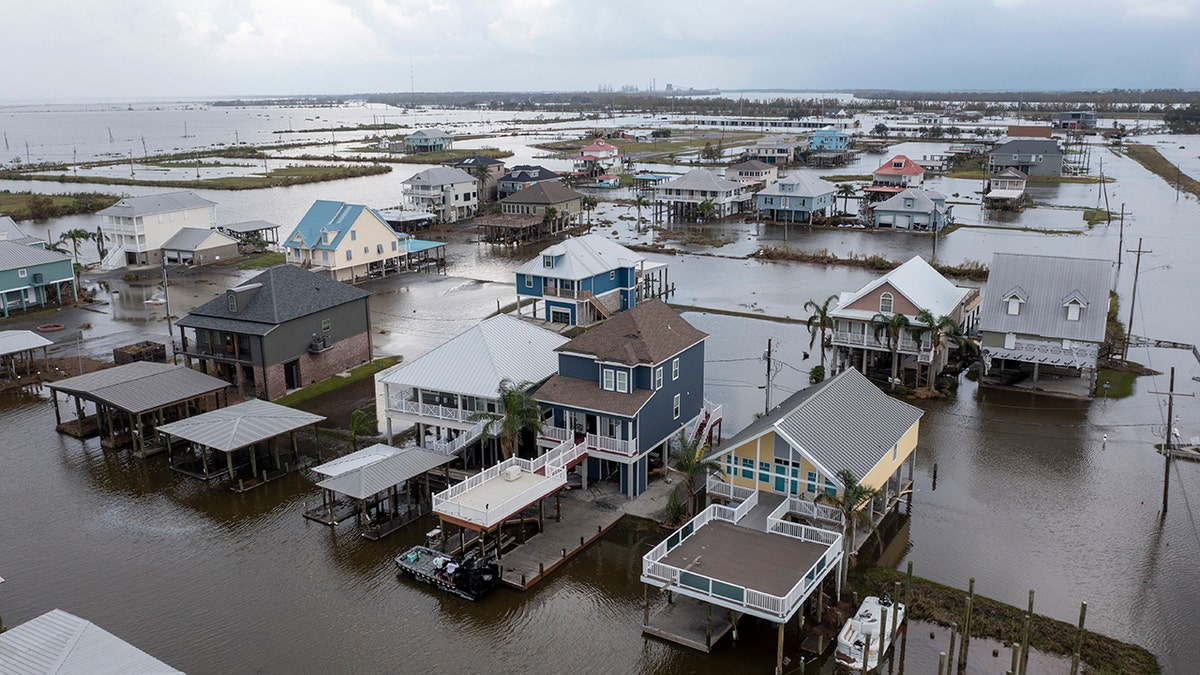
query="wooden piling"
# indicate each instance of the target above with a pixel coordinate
(966, 634)
(1025, 636)
(1078, 639)
(953, 636)
(1016, 658)
(942, 663)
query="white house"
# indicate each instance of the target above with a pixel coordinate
(135, 228)
(449, 193)
(681, 197)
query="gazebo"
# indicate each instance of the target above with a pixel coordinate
(371, 478)
(18, 348)
(245, 432)
(132, 400)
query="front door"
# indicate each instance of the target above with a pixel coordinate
(291, 374)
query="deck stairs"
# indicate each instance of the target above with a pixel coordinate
(602, 311)
(114, 259)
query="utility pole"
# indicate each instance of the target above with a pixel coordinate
(767, 408)
(1133, 297)
(167, 297)
(1170, 394)
(1121, 239)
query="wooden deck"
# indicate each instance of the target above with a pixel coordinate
(582, 523)
(689, 622)
(738, 555)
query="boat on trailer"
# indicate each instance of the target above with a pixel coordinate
(864, 631)
(469, 576)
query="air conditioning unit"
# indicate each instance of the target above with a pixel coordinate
(38, 277)
(512, 473)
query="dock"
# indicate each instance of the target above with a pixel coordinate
(689, 622)
(581, 523)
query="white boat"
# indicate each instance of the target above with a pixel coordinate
(864, 632)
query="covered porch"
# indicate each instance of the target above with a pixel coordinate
(18, 352)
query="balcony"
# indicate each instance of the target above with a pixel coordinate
(401, 405)
(596, 442)
(906, 345)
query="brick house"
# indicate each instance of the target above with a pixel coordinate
(283, 329)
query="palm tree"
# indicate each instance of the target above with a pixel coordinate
(75, 236)
(819, 322)
(588, 203)
(99, 238)
(639, 202)
(706, 210)
(891, 327)
(845, 191)
(519, 413)
(549, 216)
(482, 172)
(690, 463)
(849, 501)
(362, 423)
(941, 329)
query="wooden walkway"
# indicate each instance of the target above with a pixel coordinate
(582, 523)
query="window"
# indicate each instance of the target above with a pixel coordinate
(812, 482)
(324, 237)
(547, 261)
(349, 254)
(676, 406)
(897, 165)
(379, 247)
(528, 281)
(622, 381)
(895, 451)
(1073, 311)
(353, 235)
(393, 244)
(232, 302)
(675, 369)
(325, 256)
(885, 303)
(1014, 305)
(658, 377)
(325, 325)
(608, 379)
(612, 275)
(22, 273)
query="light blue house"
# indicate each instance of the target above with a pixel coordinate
(582, 280)
(914, 209)
(828, 139)
(32, 276)
(626, 388)
(796, 198)
(427, 140)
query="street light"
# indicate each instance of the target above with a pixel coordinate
(1106, 386)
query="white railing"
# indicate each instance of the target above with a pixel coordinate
(745, 507)
(454, 445)
(717, 486)
(868, 340)
(614, 446)
(114, 259)
(556, 433)
(811, 509)
(402, 405)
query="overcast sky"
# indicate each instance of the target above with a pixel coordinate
(115, 49)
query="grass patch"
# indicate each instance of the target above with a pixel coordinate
(449, 155)
(282, 177)
(260, 261)
(34, 206)
(1120, 381)
(1150, 158)
(977, 174)
(1096, 216)
(337, 382)
(847, 177)
(969, 269)
(943, 605)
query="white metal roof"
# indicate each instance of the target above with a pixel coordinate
(701, 179)
(1048, 283)
(60, 643)
(440, 175)
(356, 460)
(473, 363)
(798, 185)
(14, 255)
(13, 341)
(240, 425)
(916, 280)
(1004, 194)
(375, 477)
(197, 238)
(582, 258)
(168, 202)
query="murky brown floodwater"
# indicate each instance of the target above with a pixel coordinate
(1029, 495)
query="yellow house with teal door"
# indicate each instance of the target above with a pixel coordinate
(843, 423)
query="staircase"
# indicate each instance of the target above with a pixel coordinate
(115, 259)
(598, 306)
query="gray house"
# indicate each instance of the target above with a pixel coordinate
(914, 209)
(1031, 156)
(1045, 317)
(285, 328)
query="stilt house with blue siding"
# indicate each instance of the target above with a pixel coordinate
(586, 279)
(627, 387)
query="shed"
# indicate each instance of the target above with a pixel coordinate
(199, 246)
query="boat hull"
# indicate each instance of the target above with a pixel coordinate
(468, 577)
(866, 632)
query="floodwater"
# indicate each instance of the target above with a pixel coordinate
(1031, 493)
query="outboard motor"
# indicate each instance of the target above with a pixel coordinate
(886, 599)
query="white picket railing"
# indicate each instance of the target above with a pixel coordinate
(452, 446)
(402, 405)
(719, 487)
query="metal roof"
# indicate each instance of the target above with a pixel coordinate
(60, 643)
(168, 202)
(356, 460)
(845, 422)
(440, 175)
(192, 238)
(15, 254)
(800, 186)
(248, 226)
(140, 386)
(581, 258)
(1048, 282)
(916, 280)
(335, 219)
(702, 179)
(923, 201)
(1028, 146)
(13, 341)
(473, 363)
(9, 230)
(240, 425)
(373, 478)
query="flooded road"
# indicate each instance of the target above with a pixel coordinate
(1029, 494)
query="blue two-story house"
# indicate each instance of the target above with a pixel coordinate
(828, 139)
(796, 198)
(627, 387)
(582, 280)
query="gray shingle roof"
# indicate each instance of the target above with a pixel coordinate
(474, 160)
(153, 204)
(845, 422)
(60, 643)
(141, 386)
(440, 175)
(1028, 146)
(287, 293)
(240, 425)
(14, 255)
(188, 238)
(1046, 283)
(702, 179)
(529, 173)
(544, 192)
(648, 333)
(576, 392)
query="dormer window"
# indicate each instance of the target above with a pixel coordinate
(1073, 311)
(897, 165)
(1014, 305)
(908, 203)
(885, 303)
(547, 261)
(232, 303)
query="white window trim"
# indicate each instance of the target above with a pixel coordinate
(623, 381)
(677, 406)
(528, 281)
(658, 378)
(674, 369)
(607, 381)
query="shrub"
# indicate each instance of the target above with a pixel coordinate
(817, 374)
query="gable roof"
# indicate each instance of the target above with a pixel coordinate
(141, 386)
(440, 175)
(428, 133)
(1047, 283)
(544, 192)
(239, 425)
(923, 201)
(13, 341)
(15, 254)
(1013, 173)
(749, 165)
(581, 258)
(599, 145)
(907, 168)
(149, 205)
(190, 238)
(702, 179)
(473, 160)
(335, 218)
(287, 292)
(1028, 146)
(473, 363)
(529, 172)
(916, 280)
(805, 186)
(64, 644)
(845, 422)
(650, 332)
(9, 230)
